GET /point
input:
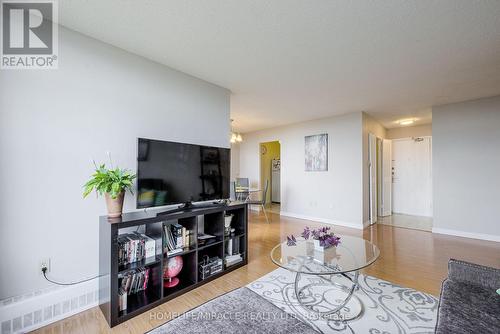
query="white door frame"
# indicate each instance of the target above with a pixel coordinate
(380, 177)
(380, 197)
(261, 183)
(372, 177)
(386, 179)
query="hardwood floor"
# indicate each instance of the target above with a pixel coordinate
(407, 221)
(411, 258)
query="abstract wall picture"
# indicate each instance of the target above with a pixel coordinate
(316, 153)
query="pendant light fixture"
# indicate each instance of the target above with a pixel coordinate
(235, 137)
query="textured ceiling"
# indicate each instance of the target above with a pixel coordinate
(286, 61)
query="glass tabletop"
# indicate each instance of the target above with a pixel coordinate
(351, 254)
(246, 190)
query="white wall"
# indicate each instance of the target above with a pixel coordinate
(424, 130)
(52, 123)
(235, 161)
(332, 196)
(466, 168)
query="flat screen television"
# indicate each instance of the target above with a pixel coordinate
(178, 173)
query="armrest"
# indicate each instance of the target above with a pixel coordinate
(474, 274)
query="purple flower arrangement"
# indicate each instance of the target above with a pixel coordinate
(323, 235)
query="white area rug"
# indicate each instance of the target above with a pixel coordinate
(387, 308)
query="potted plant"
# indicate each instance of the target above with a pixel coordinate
(112, 183)
(322, 238)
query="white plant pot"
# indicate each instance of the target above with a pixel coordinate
(317, 246)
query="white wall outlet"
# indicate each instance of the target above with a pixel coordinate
(45, 263)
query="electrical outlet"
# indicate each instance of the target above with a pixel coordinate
(45, 263)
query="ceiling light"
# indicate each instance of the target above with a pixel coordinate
(406, 121)
(235, 137)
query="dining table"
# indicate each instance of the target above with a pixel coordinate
(245, 192)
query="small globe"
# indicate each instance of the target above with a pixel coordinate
(172, 269)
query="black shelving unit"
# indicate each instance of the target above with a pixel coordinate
(207, 220)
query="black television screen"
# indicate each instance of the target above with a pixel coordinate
(174, 173)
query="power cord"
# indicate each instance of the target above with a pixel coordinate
(44, 271)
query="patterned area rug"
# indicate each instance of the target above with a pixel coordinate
(386, 308)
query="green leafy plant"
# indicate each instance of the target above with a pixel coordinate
(111, 181)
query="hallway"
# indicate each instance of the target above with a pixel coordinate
(407, 221)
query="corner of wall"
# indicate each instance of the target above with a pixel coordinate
(369, 125)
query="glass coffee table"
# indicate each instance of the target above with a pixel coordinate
(332, 269)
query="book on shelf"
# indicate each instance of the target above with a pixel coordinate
(149, 247)
(158, 244)
(205, 239)
(186, 236)
(133, 247)
(133, 281)
(177, 233)
(175, 251)
(122, 300)
(232, 259)
(203, 236)
(177, 238)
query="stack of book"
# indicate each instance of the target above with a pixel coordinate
(205, 239)
(134, 247)
(131, 282)
(177, 238)
(230, 260)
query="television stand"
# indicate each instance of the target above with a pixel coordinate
(157, 290)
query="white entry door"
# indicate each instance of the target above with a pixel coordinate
(412, 176)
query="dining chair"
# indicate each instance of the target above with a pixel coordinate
(262, 201)
(242, 182)
(232, 191)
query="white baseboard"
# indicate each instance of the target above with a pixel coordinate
(489, 237)
(40, 308)
(322, 220)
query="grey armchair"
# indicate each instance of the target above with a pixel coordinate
(469, 302)
(262, 201)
